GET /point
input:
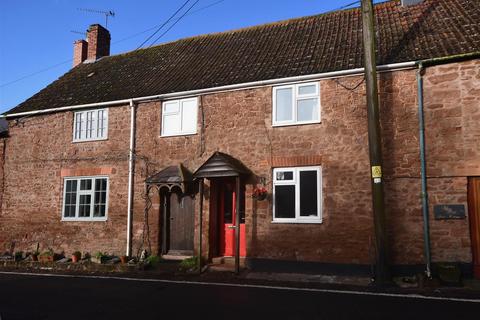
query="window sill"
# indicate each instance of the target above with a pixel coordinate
(297, 221)
(178, 135)
(89, 140)
(295, 123)
(84, 219)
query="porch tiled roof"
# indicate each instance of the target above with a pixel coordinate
(308, 45)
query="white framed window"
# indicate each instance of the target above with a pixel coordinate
(297, 195)
(85, 198)
(90, 125)
(296, 104)
(179, 117)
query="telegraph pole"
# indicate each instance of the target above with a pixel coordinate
(382, 271)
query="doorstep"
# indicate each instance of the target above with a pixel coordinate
(175, 257)
(223, 264)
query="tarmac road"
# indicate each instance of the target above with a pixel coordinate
(52, 297)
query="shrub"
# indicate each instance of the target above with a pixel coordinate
(153, 260)
(189, 264)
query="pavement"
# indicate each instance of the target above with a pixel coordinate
(54, 296)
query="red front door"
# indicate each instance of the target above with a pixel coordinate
(227, 216)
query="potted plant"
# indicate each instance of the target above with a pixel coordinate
(76, 256)
(18, 256)
(123, 259)
(260, 194)
(99, 257)
(46, 256)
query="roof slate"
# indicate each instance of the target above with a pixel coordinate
(308, 45)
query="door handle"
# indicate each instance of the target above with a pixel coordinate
(231, 227)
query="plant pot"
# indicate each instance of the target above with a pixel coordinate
(44, 259)
(75, 258)
(123, 259)
(34, 257)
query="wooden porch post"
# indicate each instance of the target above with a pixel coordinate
(237, 225)
(200, 222)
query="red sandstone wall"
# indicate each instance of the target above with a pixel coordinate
(239, 123)
(38, 149)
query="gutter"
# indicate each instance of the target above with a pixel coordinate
(423, 163)
(254, 84)
(131, 173)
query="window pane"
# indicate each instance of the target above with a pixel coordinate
(189, 116)
(284, 201)
(70, 198)
(102, 124)
(99, 210)
(307, 89)
(171, 107)
(228, 204)
(79, 125)
(84, 208)
(100, 197)
(307, 109)
(284, 175)
(308, 193)
(171, 124)
(283, 104)
(71, 186)
(86, 184)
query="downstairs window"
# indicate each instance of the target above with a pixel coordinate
(297, 195)
(85, 198)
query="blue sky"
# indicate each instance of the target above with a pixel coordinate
(36, 35)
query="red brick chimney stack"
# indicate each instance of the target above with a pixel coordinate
(79, 52)
(96, 46)
(98, 42)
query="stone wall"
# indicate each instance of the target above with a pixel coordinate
(40, 152)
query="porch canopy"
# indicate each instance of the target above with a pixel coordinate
(221, 165)
(217, 166)
(173, 176)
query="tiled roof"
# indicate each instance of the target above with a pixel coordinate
(308, 45)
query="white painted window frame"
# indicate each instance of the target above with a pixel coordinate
(180, 106)
(84, 113)
(296, 182)
(295, 98)
(85, 192)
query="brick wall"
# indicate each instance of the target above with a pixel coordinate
(40, 151)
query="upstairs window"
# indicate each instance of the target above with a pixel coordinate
(85, 198)
(297, 195)
(296, 104)
(90, 125)
(179, 117)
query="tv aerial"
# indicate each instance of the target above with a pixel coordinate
(107, 14)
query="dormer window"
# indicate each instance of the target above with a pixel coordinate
(90, 125)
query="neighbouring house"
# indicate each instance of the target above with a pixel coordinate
(172, 148)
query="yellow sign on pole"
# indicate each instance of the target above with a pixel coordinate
(376, 171)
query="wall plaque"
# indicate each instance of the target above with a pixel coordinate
(449, 211)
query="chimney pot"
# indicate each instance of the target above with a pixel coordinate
(98, 42)
(79, 52)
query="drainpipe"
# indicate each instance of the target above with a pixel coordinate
(425, 210)
(131, 169)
